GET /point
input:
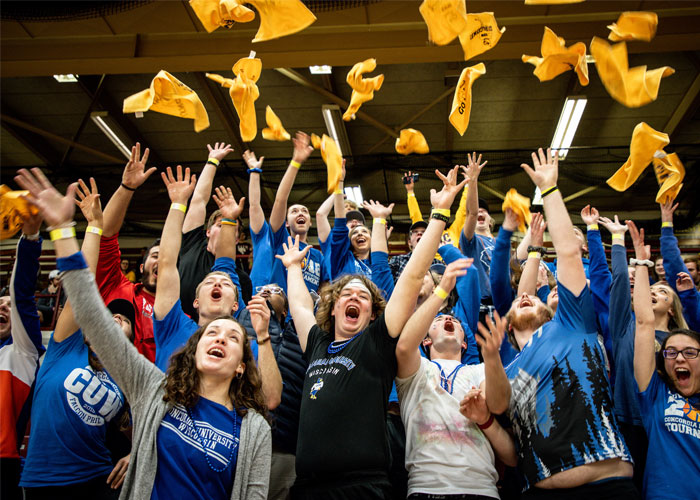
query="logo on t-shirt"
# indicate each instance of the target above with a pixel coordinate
(92, 395)
(316, 387)
(146, 308)
(680, 417)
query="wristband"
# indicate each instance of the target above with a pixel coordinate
(592, 227)
(62, 233)
(213, 161)
(441, 211)
(441, 292)
(228, 222)
(641, 262)
(262, 341)
(338, 191)
(533, 248)
(550, 190)
(486, 424)
(31, 237)
(411, 194)
(618, 237)
(440, 217)
(295, 164)
(179, 206)
(667, 224)
(534, 255)
(255, 170)
(66, 224)
(379, 220)
(94, 230)
(128, 188)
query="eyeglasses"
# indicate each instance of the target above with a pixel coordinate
(275, 290)
(688, 353)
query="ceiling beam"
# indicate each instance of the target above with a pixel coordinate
(686, 108)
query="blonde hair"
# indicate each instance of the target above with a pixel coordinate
(676, 319)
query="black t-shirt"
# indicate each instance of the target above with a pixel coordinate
(342, 427)
(195, 263)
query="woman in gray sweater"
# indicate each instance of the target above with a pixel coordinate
(199, 430)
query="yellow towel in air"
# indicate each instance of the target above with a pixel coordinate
(330, 152)
(445, 19)
(557, 58)
(462, 100)
(645, 142)
(411, 141)
(170, 96)
(520, 205)
(274, 130)
(669, 174)
(214, 14)
(13, 211)
(362, 88)
(281, 18)
(632, 87)
(634, 26)
(480, 35)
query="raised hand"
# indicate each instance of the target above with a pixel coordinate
(589, 215)
(537, 227)
(302, 147)
(57, 210)
(667, 209)
(251, 160)
(490, 340)
(473, 406)
(219, 151)
(179, 188)
(31, 223)
(546, 171)
(615, 227)
(377, 210)
(259, 315)
(453, 271)
(684, 282)
(542, 276)
(292, 255)
(510, 222)
(89, 202)
(642, 251)
(227, 203)
(135, 172)
(473, 168)
(444, 198)
(408, 181)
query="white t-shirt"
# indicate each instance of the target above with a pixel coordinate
(446, 454)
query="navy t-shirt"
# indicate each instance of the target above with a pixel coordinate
(191, 444)
(561, 406)
(71, 409)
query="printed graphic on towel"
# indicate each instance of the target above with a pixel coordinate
(680, 417)
(92, 396)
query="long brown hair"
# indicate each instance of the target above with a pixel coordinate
(182, 378)
(330, 294)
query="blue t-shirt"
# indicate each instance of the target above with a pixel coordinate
(673, 456)
(71, 409)
(342, 260)
(311, 266)
(192, 442)
(263, 256)
(479, 248)
(172, 332)
(561, 406)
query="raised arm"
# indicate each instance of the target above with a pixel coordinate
(528, 278)
(168, 285)
(267, 365)
(673, 261)
(381, 272)
(302, 150)
(690, 299)
(226, 243)
(301, 305)
(569, 266)
(620, 297)
(644, 335)
(134, 175)
(598, 270)
(496, 386)
(323, 227)
(413, 208)
(255, 211)
(472, 173)
(197, 211)
(415, 330)
(403, 302)
(499, 273)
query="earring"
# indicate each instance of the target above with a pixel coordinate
(239, 375)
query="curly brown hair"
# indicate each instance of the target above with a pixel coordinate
(330, 294)
(182, 378)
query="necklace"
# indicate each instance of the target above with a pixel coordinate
(338, 345)
(199, 440)
(447, 381)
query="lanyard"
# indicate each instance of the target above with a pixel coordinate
(447, 381)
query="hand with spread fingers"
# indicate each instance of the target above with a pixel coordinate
(546, 169)
(473, 168)
(667, 210)
(589, 215)
(251, 160)
(292, 255)
(219, 151)
(89, 202)
(135, 172)
(230, 209)
(443, 199)
(302, 147)
(454, 270)
(179, 187)
(490, 339)
(642, 251)
(537, 228)
(377, 210)
(56, 209)
(615, 227)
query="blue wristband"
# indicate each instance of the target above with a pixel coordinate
(71, 263)
(256, 170)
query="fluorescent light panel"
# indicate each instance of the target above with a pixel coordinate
(336, 127)
(98, 118)
(568, 123)
(66, 78)
(323, 69)
(354, 194)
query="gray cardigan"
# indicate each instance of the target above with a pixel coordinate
(142, 384)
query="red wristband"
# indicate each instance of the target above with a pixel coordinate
(486, 424)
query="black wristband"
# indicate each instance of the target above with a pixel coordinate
(533, 248)
(441, 217)
(128, 188)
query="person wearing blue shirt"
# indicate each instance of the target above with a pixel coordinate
(561, 407)
(669, 393)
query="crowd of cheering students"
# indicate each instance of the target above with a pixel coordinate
(461, 370)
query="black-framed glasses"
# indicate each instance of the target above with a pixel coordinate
(688, 353)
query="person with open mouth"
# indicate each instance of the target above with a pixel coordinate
(668, 391)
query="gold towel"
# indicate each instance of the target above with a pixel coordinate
(445, 19)
(520, 205)
(281, 18)
(274, 131)
(645, 142)
(634, 26)
(557, 58)
(217, 13)
(462, 100)
(13, 211)
(362, 88)
(330, 152)
(669, 174)
(411, 141)
(480, 35)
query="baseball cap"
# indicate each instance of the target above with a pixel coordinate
(123, 307)
(53, 274)
(355, 215)
(417, 225)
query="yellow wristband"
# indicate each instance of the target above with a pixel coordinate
(667, 224)
(592, 227)
(618, 237)
(229, 223)
(62, 233)
(295, 164)
(379, 220)
(442, 211)
(213, 161)
(440, 292)
(412, 194)
(534, 255)
(94, 230)
(338, 191)
(179, 206)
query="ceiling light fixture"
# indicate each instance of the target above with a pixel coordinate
(100, 119)
(66, 78)
(354, 194)
(568, 123)
(336, 127)
(323, 69)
